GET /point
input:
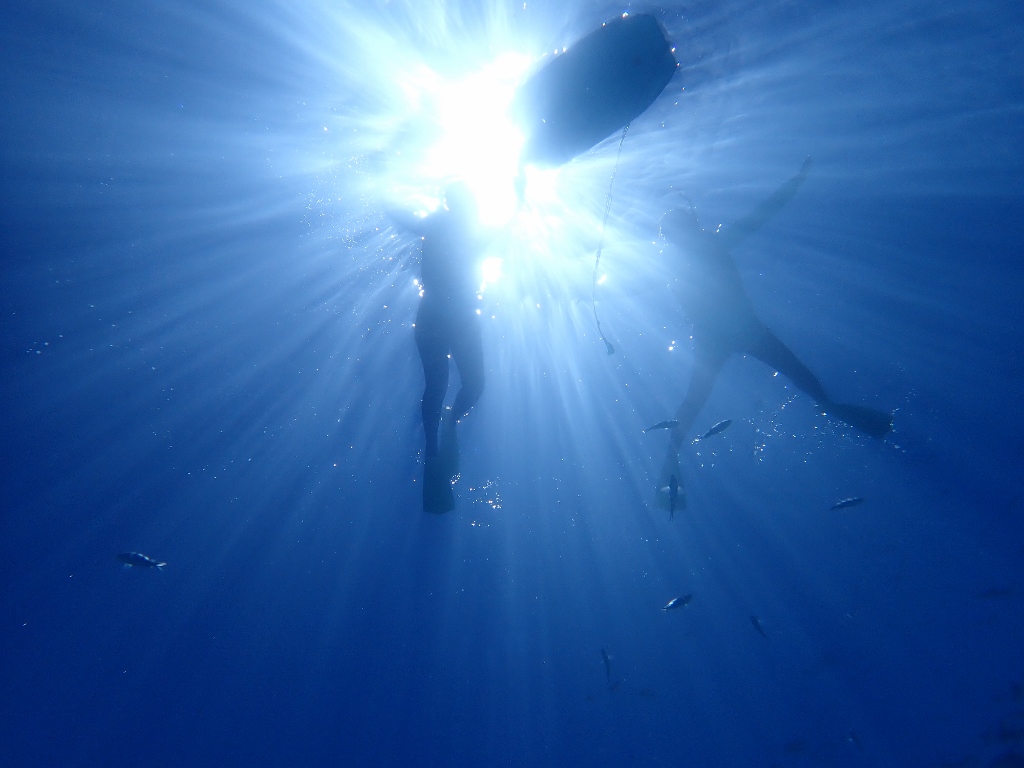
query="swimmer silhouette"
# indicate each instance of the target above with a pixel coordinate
(447, 325)
(711, 294)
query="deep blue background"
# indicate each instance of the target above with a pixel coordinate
(204, 362)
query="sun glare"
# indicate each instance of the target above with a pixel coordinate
(430, 119)
(491, 270)
(478, 142)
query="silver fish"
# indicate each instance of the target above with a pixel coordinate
(716, 429)
(853, 501)
(677, 602)
(612, 684)
(669, 424)
(139, 560)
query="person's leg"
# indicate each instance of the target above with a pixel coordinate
(777, 355)
(708, 359)
(433, 351)
(468, 353)
(773, 353)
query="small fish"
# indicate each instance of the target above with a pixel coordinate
(757, 625)
(607, 668)
(677, 602)
(715, 430)
(663, 425)
(139, 560)
(853, 501)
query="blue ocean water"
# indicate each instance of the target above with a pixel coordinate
(208, 357)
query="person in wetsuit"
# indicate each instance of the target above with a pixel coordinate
(711, 294)
(448, 327)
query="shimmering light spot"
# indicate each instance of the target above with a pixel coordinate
(480, 144)
(491, 270)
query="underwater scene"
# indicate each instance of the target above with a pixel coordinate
(501, 383)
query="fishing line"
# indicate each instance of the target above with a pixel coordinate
(600, 246)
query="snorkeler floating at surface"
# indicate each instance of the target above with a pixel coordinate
(709, 289)
(447, 325)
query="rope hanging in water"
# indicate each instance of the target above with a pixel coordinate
(600, 246)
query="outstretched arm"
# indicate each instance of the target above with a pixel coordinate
(757, 218)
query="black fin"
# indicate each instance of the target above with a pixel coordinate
(877, 424)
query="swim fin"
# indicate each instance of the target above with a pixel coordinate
(877, 424)
(438, 497)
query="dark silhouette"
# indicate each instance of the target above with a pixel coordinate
(709, 288)
(600, 85)
(447, 327)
